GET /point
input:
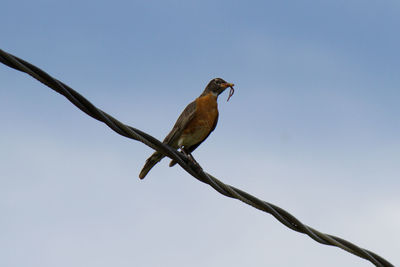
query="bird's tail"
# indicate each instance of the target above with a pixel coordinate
(172, 163)
(150, 162)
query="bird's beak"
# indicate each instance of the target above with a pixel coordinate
(226, 85)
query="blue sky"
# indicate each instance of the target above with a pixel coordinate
(313, 127)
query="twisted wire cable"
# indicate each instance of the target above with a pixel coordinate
(195, 170)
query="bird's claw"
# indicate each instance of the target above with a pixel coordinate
(191, 159)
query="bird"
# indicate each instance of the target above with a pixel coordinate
(194, 125)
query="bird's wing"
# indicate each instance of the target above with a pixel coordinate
(193, 147)
(186, 116)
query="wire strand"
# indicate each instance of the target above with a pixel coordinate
(196, 171)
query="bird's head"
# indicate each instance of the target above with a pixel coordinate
(216, 86)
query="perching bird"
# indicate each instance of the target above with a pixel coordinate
(194, 125)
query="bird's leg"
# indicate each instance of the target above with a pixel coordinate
(190, 157)
(187, 154)
(184, 152)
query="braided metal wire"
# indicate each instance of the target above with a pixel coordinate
(196, 171)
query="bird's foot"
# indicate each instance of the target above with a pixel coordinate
(191, 159)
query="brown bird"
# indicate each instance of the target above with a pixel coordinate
(194, 125)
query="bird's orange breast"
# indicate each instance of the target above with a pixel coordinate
(203, 121)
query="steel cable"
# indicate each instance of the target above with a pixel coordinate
(196, 171)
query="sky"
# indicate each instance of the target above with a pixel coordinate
(313, 127)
